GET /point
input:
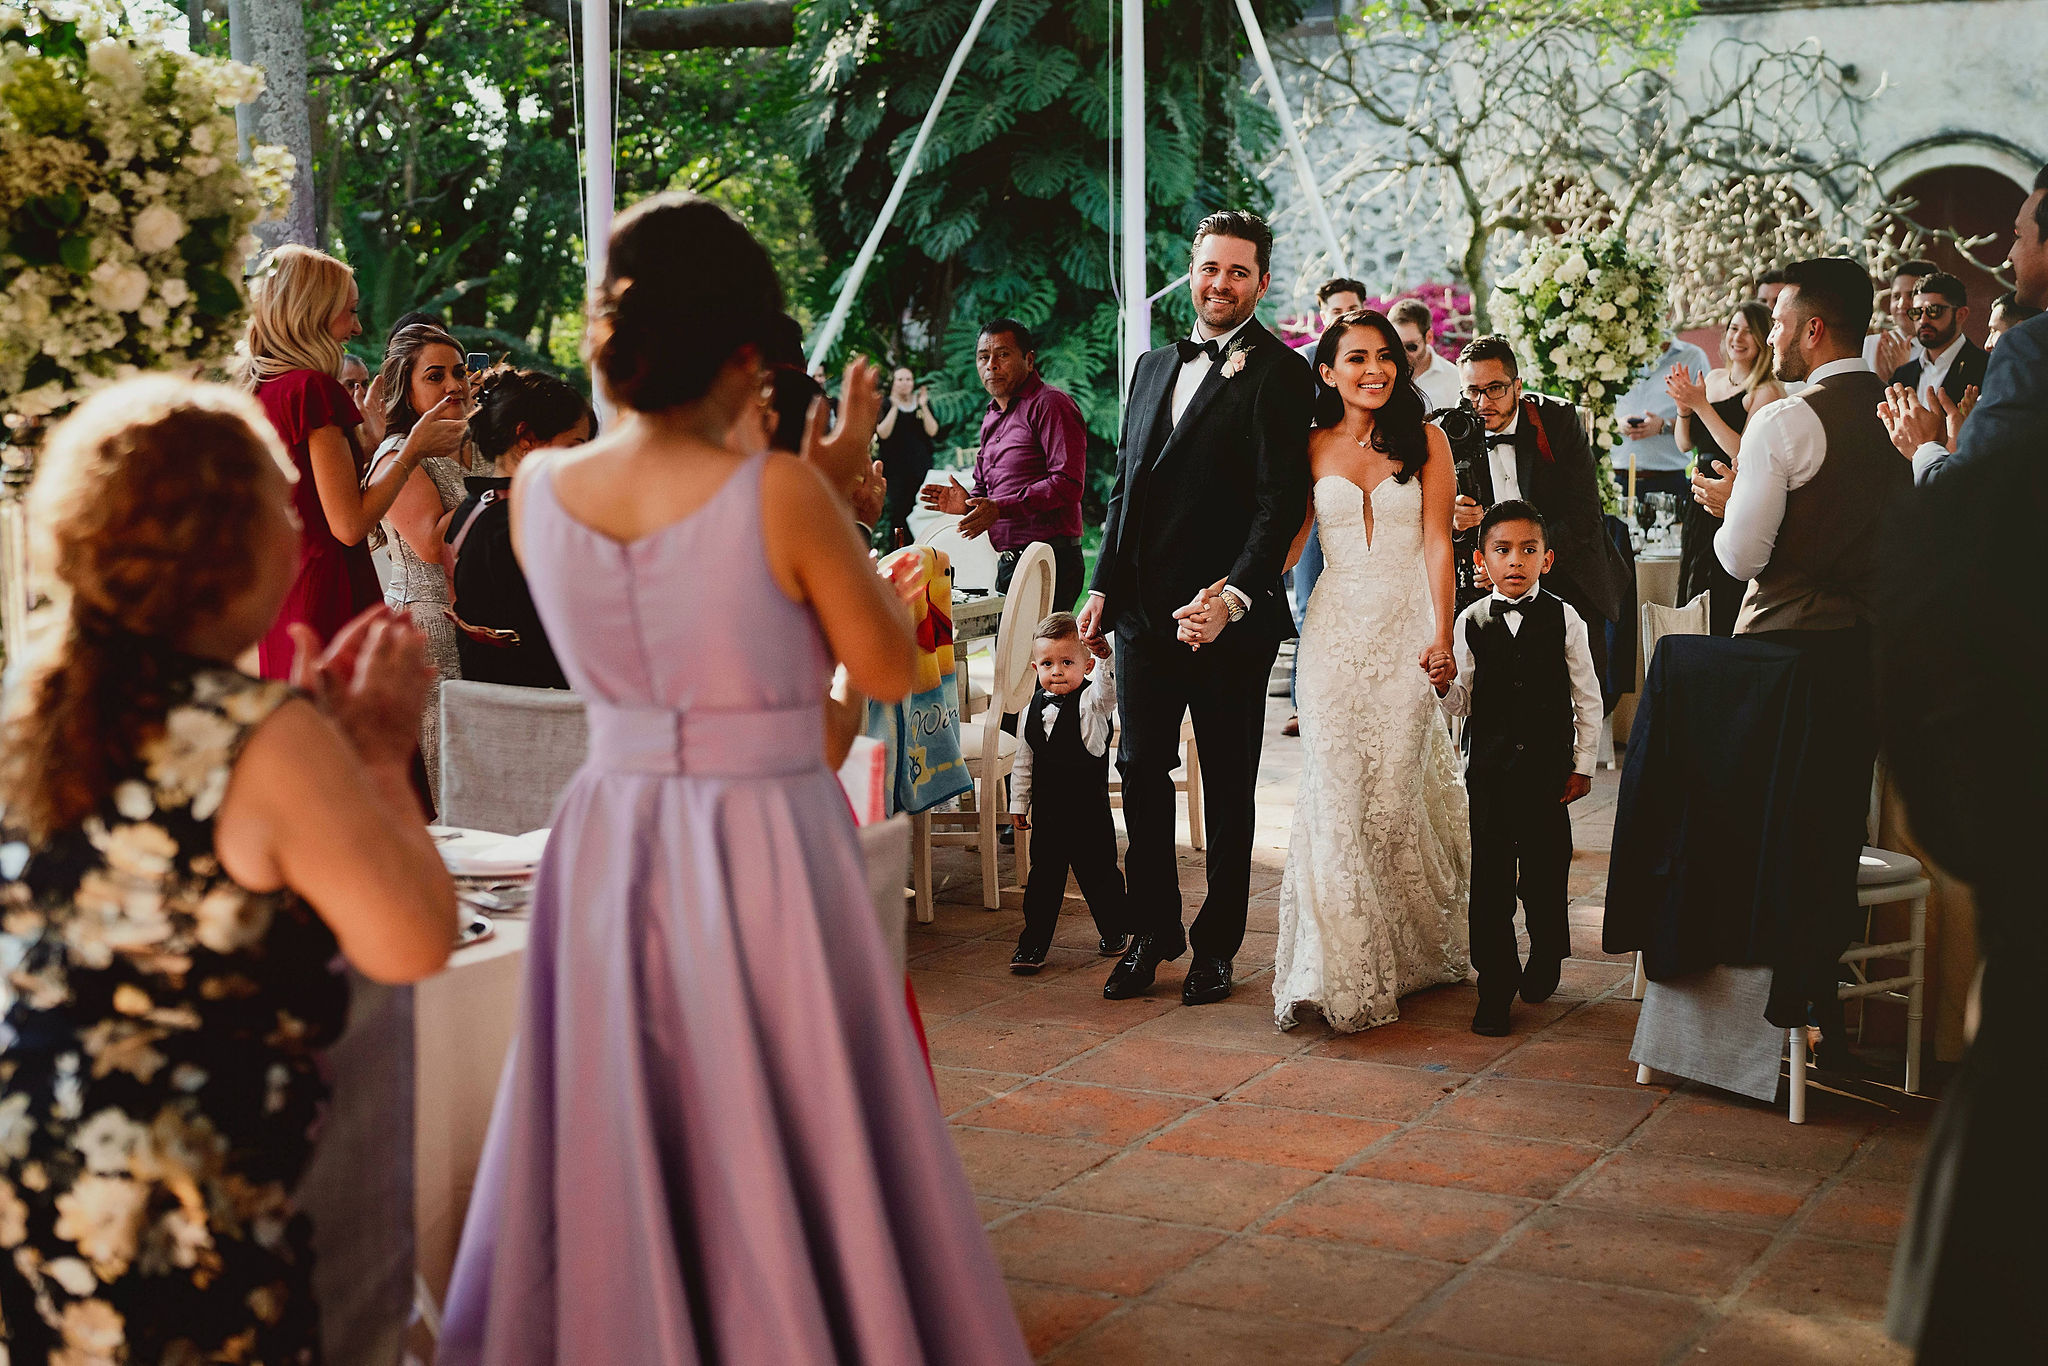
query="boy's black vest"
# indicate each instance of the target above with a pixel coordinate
(1061, 766)
(1521, 721)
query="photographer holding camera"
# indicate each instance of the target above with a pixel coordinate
(1536, 451)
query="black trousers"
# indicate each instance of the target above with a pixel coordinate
(1073, 830)
(1521, 850)
(1067, 568)
(1223, 686)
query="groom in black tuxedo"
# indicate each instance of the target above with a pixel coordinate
(1212, 484)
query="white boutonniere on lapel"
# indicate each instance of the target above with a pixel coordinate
(1240, 350)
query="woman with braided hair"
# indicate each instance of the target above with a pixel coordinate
(184, 850)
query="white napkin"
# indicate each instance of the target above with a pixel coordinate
(484, 853)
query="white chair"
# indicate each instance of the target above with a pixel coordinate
(1658, 621)
(507, 753)
(973, 559)
(987, 749)
(1884, 879)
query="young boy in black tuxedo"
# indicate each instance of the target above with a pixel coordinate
(1060, 780)
(1525, 682)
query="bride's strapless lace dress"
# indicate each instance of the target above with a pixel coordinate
(1372, 904)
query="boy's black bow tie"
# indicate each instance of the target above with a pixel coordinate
(1502, 605)
(1190, 348)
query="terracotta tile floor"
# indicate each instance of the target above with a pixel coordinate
(1165, 1184)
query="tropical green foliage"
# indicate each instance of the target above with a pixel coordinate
(446, 158)
(1013, 207)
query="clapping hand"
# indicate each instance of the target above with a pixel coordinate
(442, 429)
(841, 455)
(1688, 393)
(1202, 620)
(371, 680)
(1710, 491)
(1914, 424)
(1892, 350)
(870, 495)
(905, 571)
(976, 514)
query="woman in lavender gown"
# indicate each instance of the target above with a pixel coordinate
(715, 1140)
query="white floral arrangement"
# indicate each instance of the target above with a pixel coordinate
(124, 212)
(1586, 315)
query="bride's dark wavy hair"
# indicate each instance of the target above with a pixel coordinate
(1397, 426)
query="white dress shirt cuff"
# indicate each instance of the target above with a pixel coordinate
(1930, 454)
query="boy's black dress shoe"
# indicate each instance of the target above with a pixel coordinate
(1208, 981)
(1133, 973)
(1539, 979)
(1112, 945)
(1025, 962)
(1491, 1019)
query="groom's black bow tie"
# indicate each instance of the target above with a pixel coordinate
(1499, 439)
(1190, 348)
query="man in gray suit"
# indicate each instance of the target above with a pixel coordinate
(2013, 411)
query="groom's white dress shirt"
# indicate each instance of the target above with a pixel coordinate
(1193, 372)
(1783, 447)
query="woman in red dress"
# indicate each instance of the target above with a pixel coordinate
(301, 311)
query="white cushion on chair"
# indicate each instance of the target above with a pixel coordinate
(1881, 867)
(970, 743)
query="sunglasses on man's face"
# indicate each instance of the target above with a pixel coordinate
(1934, 313)
(1412, 348)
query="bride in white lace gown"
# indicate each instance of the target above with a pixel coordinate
(1373, 901)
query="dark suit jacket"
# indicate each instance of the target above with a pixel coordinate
(2011, 416)
(1966, 369)
(1218, 495)
(1589, 570)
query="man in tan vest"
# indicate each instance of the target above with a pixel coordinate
(1815, 480)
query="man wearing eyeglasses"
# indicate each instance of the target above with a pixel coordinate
(1536, 451)
(1952, 362)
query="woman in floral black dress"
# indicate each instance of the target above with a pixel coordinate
(164, 815)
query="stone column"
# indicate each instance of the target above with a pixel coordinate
(271, 34)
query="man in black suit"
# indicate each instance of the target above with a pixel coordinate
(1537, 451)
(1212, 484)
(1948, 360)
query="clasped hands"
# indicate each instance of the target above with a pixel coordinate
(1914, 423)
(1437, 661)
(1202, 620)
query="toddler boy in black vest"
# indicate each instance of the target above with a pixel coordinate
(1526, 685)
(1063, 756)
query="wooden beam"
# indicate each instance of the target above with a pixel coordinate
(737, 23)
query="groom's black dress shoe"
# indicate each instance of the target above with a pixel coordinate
(1539, 979)
(1491, 1019)
(1133, 973)
(1112, 945)
(1208, 981)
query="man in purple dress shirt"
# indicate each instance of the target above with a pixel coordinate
(1032, 467)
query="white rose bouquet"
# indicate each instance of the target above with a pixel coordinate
(124, 213)
(1585, 314)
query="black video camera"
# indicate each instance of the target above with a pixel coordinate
(1467, 433)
